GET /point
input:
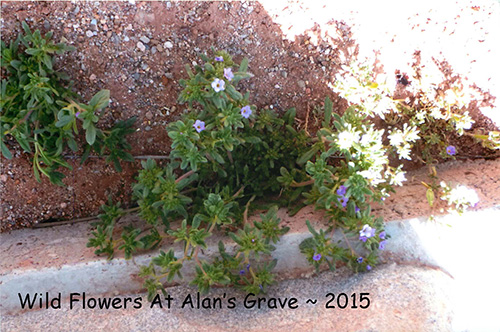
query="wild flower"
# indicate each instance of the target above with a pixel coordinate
(360, 260)
(450, 150)
(343, 201)
(199, 126)
(368, 268)
(367, 231)
(317, 257)
(342, 190)
(246, 111)
(382, 235)
(218, 85)
(382, 244)
(228, 74)
(219, 58)
(347, 138)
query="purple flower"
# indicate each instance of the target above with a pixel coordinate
(360, 260)
(381, 245)
(343, 200)
(218, 85)
(219, 58)
(228, 74)
(246, 111)
(363, 238)
(341, 191)
(357, 209)
(450, 150)
(317, 257)
(253, 240)
(368, 267)
(77, 114)
(199, 126)
(248, 267)
(261, 288)
(367, 231)
(242, 272)
(382, 235)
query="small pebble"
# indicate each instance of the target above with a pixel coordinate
(149, 115)
(93, 77)
(168, 44)
(144, 39)
(89, 33)
(141, 46)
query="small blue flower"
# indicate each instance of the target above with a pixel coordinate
(261, 288)
(199, 126)
(341, 191)
(246, 111)
(363, 238)
(343, 200)
(381, 245)
(382, 235)
(450, 150)
(77, 114)
(242, 272)
(357, 209)
(253, 240)
(228, 74)
(317, 257)
(219, 58)
(367, 231)
(368, 268)
(248, 267)
(360, 260)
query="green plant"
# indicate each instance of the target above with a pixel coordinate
(225, 158)
(39, 111)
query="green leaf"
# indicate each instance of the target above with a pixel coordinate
(100, 100)
(328, 112)
(64, 120)
(5, 151)
(243, 65)
(308, 155)
(430, 196)
(90, 134)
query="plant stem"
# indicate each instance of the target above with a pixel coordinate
(245, 214)
(348, 243)
(185, 175)
(302, 184)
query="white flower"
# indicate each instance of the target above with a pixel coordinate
(347, 138)
(462, 194)
(436, 113)
(218, 85)
(396, 138)
(404, 151)
(420, 116)
(463, 122)
(398, 178)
